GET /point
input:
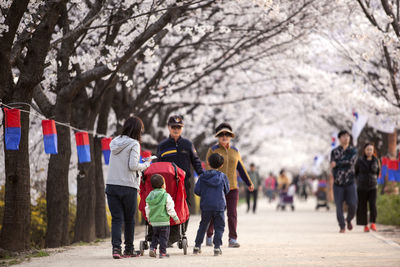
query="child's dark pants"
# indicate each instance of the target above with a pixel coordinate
(160, 236)
(219, 224)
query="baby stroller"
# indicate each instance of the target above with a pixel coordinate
(286, 197)
(174, 181)
(322, 200)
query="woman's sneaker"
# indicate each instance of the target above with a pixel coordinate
(130, 253)
(116, 253)
(152, 253)
(196, 250)
(366, 229)
(217, 251)
(373, 227)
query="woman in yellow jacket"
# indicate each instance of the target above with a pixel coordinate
(283, 180)
(232, 164)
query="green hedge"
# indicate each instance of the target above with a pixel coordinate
(388, 209)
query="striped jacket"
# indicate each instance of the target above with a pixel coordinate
(182, 153)
(232, 163)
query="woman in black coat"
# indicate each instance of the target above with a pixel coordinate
(367, 170)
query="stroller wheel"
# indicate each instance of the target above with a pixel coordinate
(142, 247)
(180, 244)
(184, 246)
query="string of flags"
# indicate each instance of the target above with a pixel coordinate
(13, 135)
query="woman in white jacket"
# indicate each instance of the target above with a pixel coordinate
(122, 184)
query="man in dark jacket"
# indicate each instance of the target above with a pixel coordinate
(180, 151)
(212, 187)
(343, 159)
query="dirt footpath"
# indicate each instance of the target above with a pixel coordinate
(268, 238)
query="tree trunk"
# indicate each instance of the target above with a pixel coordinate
(57, 191)
(85, 227)
(102, 229)
(392, 144)
(15, 234)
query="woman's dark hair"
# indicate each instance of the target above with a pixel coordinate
(133, 128)
(368, 144)
(282, 171)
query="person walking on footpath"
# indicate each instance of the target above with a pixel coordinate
(283, 180)
(269, 185)
(343, 159)
(212, 187)
(367, 170)
(232, 164)
(122, 184)
(180, 151)
(256, 180)
(159, 208)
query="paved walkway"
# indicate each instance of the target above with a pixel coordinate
(269, 238)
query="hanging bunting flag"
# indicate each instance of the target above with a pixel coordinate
(105, 147)
(384, 170)
(83, 146)
(13, 128)
(50, 137)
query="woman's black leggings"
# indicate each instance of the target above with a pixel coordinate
(366, 197)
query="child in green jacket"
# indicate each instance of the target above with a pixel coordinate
(159, 209)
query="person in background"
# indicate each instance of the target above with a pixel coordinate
(283, 180)
(232, 164)
(256, 180)
(270, 184)
(343, 159)
(367, 169)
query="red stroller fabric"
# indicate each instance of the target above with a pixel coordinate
(175, 186)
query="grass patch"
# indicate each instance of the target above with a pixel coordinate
(39, 254)
(388, 209)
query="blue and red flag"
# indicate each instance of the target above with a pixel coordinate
(13, 128)
(83, 146)
(105, 147)
(50, 137)
(384, 171)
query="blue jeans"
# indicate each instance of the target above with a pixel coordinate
(219, 225)
(160, 236)
(348, 194)
(122, 201)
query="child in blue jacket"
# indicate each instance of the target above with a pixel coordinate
(212, 187)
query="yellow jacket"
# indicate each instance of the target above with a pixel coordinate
(232, 163)
(283, 180)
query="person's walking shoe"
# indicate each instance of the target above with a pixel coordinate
(163, 255)
(130, 253)
(366, 229)
(217, 251)
(233, 243)
(349, 226)
(209, 242)
(373, 227)
(342, 231)
(196, 250)
(152, 253)
(116, 253)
